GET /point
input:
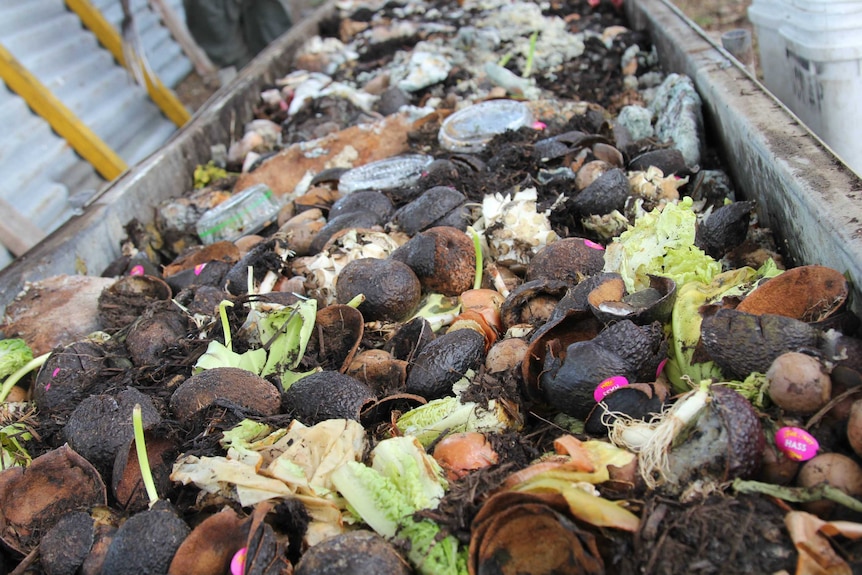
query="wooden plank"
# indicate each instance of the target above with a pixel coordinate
(17, 232)
(108, 37)
(62, 120)
(203, 65)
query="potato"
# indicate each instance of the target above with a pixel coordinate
(798, 383)
(854, 427)
(834, 469)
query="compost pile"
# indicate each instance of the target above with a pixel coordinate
(544, 337)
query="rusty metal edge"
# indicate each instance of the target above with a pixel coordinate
(804, 193)
(86, 244)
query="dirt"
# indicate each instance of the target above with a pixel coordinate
(714, 16)
(717, 534)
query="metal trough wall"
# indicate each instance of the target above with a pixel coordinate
(88, 243)
(803, 191)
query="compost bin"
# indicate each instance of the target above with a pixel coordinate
(554, 289)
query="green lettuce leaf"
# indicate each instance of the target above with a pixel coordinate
(286, 332)
(686, 320)
(661, 243)
(402, 480)
(448, 415)
(14, 354)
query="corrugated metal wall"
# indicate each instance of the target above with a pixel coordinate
(42, 177)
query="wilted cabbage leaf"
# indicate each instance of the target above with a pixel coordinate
(14, 354)
(402, 479)
(296, 462)
(661, 243)
(686, 320)
(448, 415)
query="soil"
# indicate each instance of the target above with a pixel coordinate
(154, 354)
(714, 16)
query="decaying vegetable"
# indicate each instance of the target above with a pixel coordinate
(710, 434)
(798, 383)
(401, 480)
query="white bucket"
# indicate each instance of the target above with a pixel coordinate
(811, 57)
(767, 17)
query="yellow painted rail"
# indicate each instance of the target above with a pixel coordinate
(62, 120)
(108, 36)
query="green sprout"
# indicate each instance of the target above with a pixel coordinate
(13, 431)
(225, 324)
(143, 459)
(284, 335)
(356, 301)
(477, 246)
(528, 67)
(19, 374)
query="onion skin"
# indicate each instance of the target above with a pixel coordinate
(461, 453)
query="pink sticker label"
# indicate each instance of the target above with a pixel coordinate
(539, 125)
(609, 385)
(138, 270)
(47, 386)
(56, 372)
(660, 368)
(593, 245)
(199, 268)
(796, 443)
(237, 564)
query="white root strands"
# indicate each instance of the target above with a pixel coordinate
(653, 440)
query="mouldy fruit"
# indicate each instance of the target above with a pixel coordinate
(726, 442)
(102, 424)
(146, 542)
(741, 343)
(444, 361)
(443, 258)
(224, 383)
(390, 287)
(69, 375)
(327, 395)
(354, 552)
(64, 547)
(798, 383)
(570, 260)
